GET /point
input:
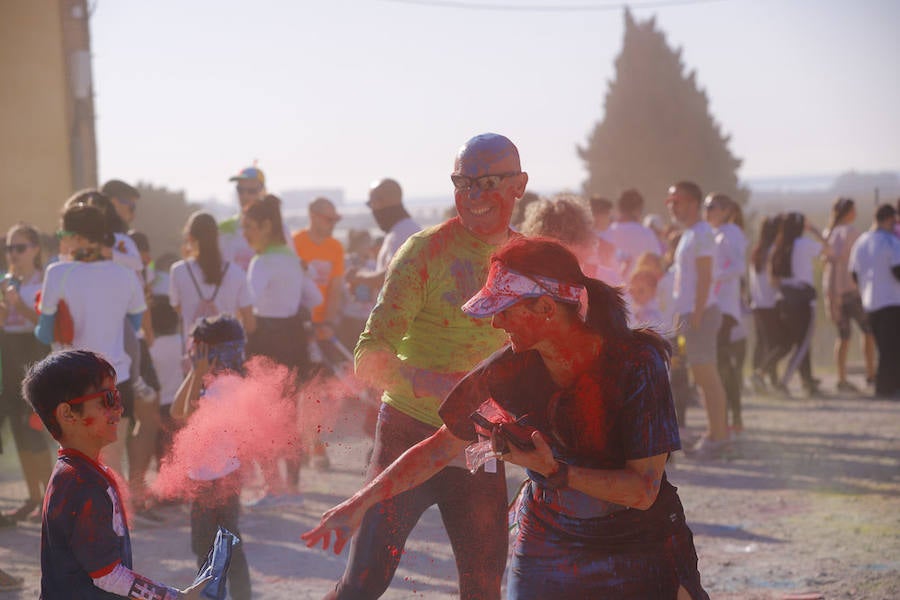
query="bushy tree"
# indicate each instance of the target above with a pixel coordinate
(161, 215)
(657, 128)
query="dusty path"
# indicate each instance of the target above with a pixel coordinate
(807, 503)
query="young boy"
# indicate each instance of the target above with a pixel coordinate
(217, 347)
(85, 544)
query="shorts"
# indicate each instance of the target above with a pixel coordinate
(851, 308)
(700, 343)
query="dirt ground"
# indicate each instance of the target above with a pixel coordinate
(806, 503)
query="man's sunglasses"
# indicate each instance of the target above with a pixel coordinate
(485, 183)
(244, 189)
(111, 398)
(17, 248)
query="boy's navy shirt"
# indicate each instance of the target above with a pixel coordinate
(84, 534)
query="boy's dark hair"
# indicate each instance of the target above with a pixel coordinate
(885, 212)
(217, 330)
(87, 221)
(140, 240)
(600, 205)
(163, 316)
(691, 189)
(631, 203)
(61, 377)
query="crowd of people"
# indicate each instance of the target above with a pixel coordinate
(583, 322)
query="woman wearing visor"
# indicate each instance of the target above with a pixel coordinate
(593, 426)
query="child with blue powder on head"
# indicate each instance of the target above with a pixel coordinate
(85, 544)
(217, 347)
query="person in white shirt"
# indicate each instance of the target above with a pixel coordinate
(167, 353)
(766, 321)
(276, 283)
(628, 235)
(791, 267)
(842, 300)
(18, 349)
(250, 185)
(875, 265)
(386, 203)
(726, 218)
(204, 284)
(100, 295)
(699, 317)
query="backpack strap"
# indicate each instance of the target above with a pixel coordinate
(197, 286)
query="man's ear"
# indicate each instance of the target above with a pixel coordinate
(522, 184)
(545, 307)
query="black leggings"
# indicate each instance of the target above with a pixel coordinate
(797, 320)
(730, 361)
(767, 327)
(473, 508)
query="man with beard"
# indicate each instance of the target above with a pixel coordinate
(386, 203)
(417, 345)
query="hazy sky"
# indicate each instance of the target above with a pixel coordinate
(335, 93)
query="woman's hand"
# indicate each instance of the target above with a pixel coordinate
(344, 519)
(200, 360)
(540, 459)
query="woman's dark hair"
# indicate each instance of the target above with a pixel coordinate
(94, 197)
(789, 229)
(840, 209)
(217, 330)
(34, 238)
(203, 228)
(268, 209)
(61, 377)
(606, 312)
(767, 232)
(162, 315)
(87, 221)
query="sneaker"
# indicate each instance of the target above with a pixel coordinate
(148, 516)
(846, 386)
(707, 449)
(758, 384)
(270, 501)
(21, 513)
(781, 391)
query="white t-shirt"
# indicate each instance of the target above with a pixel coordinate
(731, 258)
(221, 459)
(803, 255)
(697, 241)
(762, 294)
(99, 295)
(393, 240)
(126, 253)
(166, 355)
(232, 296)
(16, 321)
(873, 256)
(276, 282)
(632, 239)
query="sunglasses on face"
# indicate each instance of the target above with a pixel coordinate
(242, 189)
(62, 233)
(329, 218)
(111, 399)
(17, 248)
(485, 183)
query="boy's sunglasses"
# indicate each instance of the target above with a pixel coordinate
(17, 248)
(111, 398)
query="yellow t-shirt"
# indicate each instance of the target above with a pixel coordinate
(324, 263)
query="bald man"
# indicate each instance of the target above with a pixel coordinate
(386, 204)
(418, 318)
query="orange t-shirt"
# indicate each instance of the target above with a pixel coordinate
(324, 263)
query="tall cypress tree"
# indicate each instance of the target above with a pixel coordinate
(657, 128)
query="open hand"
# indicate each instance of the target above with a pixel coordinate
(344, 519)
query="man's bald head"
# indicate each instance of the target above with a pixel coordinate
(485, 152)
(384, 193)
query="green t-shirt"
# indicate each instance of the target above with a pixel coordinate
(419, 317)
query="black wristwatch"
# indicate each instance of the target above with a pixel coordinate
(560, 478)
